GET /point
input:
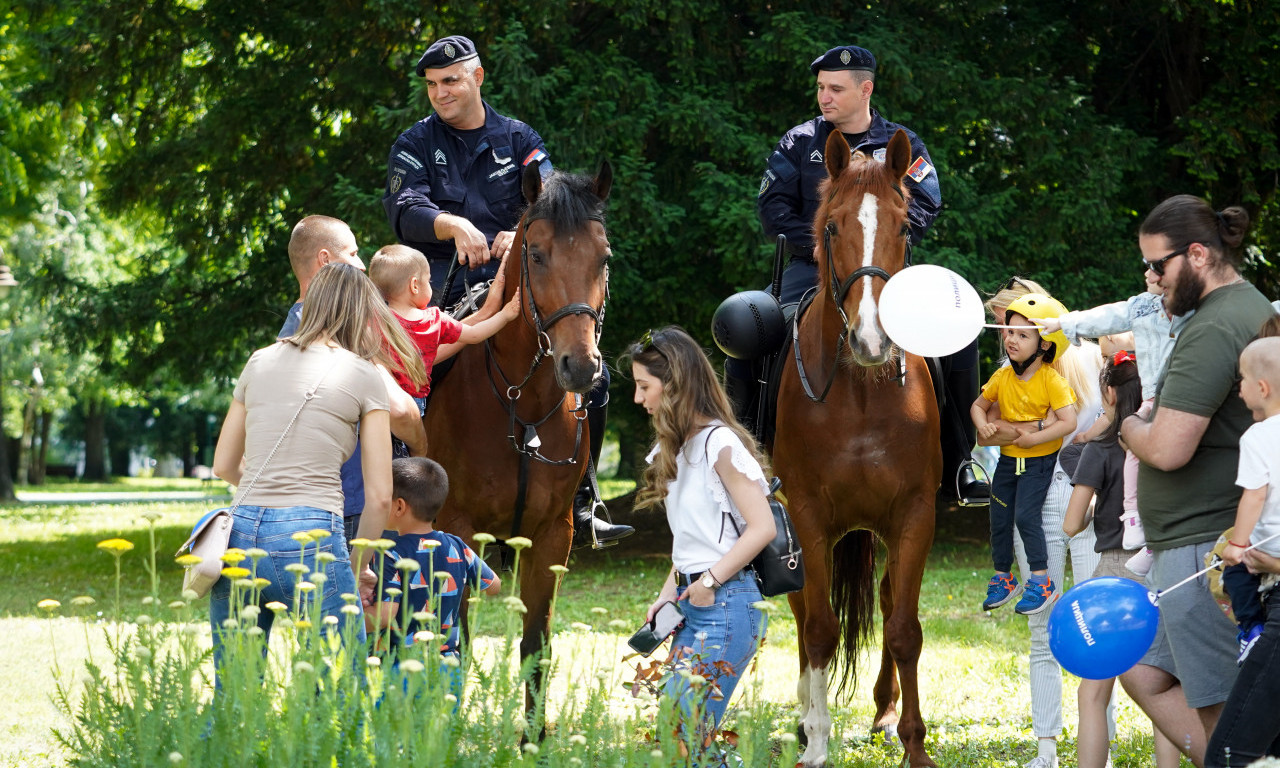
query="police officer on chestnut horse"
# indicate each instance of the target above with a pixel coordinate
(788, 200)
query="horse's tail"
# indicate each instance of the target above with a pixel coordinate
(853, 596)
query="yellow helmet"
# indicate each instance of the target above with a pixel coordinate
(1037, 306)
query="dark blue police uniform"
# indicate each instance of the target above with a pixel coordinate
(788, 198)
(436, 169)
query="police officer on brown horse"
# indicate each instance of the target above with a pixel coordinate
(788, 200)
(454, 192)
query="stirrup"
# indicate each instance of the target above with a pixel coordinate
(597, 505)
(961, 499)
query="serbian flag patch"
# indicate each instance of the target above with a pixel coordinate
(920, 169)
(537, 154)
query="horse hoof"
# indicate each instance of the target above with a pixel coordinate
(890, 731)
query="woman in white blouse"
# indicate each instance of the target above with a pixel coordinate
(707, 470)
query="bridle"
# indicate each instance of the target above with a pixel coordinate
(840, 289)
(525, 439)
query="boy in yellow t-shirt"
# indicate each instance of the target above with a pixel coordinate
(1027, 391)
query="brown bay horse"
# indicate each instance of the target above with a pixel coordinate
(508, 423)
(862, 461)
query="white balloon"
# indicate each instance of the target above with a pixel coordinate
(930, 311)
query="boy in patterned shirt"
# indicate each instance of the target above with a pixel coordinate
(445, 563)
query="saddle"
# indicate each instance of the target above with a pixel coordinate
(767, 371)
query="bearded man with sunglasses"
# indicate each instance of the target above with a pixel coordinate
(1189, 449)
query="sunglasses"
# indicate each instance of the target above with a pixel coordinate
(646, 342)
(1015, 282)
(1157, 266)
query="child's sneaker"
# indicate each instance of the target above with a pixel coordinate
(1140, 563)
(1248, 638)
(1035, 598)
(1134, 536)
(1002, 588)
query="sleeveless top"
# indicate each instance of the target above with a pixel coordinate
(698, 506)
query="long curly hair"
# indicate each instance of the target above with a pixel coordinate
(691, 396)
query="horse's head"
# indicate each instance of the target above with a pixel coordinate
(864, 235)
(564, 269)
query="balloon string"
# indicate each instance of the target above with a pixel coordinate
(1217, 562)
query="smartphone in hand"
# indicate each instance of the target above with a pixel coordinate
(666, 620)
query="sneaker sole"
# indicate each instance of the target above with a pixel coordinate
(991, 607)
(1046, 604)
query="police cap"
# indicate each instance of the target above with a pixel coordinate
(447, 51)
(844, 57)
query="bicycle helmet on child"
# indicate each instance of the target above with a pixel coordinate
(1037, 306)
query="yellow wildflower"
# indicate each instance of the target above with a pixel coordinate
(115, 546)
(49, 605)
(519, 542)
(188, 560)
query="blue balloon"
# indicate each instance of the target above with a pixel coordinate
(1101, 627)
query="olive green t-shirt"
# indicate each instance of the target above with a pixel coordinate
(1197, 501)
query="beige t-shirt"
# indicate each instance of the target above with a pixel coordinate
(305, 469)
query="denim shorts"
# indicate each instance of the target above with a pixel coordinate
(729, 630)
(272, 529)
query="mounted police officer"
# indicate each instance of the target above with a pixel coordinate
(788, 201)
(454, 190)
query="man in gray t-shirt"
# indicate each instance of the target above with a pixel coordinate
(1189, 448)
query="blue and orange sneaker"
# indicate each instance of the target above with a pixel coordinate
(1036, 597)
(1002, 588)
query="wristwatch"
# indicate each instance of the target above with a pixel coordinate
(708, 580)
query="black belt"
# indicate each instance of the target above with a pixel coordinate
(685, 579)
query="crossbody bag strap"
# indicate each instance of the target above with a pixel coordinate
(307, 397)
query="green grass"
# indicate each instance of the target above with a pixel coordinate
(973, 668)
(121, 485)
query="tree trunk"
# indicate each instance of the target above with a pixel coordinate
(40, 460)
(95, 441)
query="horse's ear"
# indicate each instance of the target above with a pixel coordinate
(604, 180)
(898, 155)
(531, 184)
(837, 154)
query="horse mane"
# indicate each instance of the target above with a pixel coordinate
(568, 201)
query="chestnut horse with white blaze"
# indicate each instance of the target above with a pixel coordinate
(862, 460)
(508, 423)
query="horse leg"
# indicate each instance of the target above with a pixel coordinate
(821, 635)
(902, 631)
(796, 600)
(537, 585)
(886, 689)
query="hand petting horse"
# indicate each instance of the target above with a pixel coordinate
(875, 427)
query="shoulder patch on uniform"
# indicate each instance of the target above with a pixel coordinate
(440, 158)
(920, 169)
(878, 155)
(765, 181)
(537, 154)
(501, 160)
(815, 156)
(410, 159)
(396, 181)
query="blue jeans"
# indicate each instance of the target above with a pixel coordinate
(728, 630)
(1017, 495)
(272, 529)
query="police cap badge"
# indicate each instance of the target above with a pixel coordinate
(445, 52)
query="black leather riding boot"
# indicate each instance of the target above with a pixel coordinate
(584, 519)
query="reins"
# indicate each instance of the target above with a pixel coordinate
(840, 289)
(523, 434)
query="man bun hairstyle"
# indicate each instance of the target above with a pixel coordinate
(422, 483)
(1187, 219)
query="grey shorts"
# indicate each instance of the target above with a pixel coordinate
(1111, 563)
(1195, 641)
